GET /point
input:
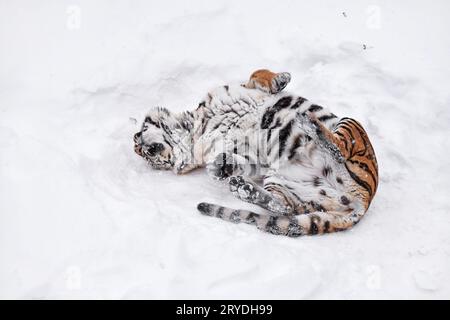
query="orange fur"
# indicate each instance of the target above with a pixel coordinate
(263, 79)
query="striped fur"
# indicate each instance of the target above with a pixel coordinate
(330, 199)
(318, 172)
(268, 81)
(291, 226)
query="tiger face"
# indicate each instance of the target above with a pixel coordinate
(153, 141)
(165, 140)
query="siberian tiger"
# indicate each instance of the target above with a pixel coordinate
(311, 171)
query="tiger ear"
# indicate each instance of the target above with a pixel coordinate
(268, 81)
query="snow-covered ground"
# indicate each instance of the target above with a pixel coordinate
(81, 216)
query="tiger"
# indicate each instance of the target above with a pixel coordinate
(310, 171)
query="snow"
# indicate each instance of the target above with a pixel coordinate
(81, 216)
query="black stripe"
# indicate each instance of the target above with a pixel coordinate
(317, 181)
(342, 139)
(270, 112)
(295, 145)
(204, 124)
(167, 142)
(363, 166)
(339, 134)
(284, 135)
(364, 141)
(354, 124)
(326, 226)
(298, 198)
(353, 121)
(251, 218)
(298, 103)
(347, 126)
(327, 117)
(314, 108)
(201, 104)
(219, 213)
(166, 129)
(276, 125)
(216, 126)
(272, 184)
(150, 121)
(362, 152)
(362, 134)
(267, 118)
(137, 136)
(362, 183)
(350, 133)
(327, 170)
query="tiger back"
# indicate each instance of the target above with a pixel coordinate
(361, 162)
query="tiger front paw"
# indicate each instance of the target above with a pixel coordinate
(268, 81)
(242, 189)
(280, 81)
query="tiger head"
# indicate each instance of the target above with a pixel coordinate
(164, 139)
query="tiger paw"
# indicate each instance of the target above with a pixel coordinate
(222, 167)
(242, 189)
(268, 81)
(280, 81)
(235, 182)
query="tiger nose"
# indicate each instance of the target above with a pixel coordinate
(138, 150)
(155, 148)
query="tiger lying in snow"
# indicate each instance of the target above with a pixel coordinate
(319, 172)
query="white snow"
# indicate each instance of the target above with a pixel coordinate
(81, 216)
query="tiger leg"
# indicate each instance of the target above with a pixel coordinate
(323, 136)
(311, 193)
(248, 191)
(268, 81)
